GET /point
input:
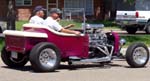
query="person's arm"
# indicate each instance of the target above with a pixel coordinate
(69, 26)
(59, 28)
(70, 31)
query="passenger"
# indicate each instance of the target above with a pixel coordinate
(52, 22)
(38, 17)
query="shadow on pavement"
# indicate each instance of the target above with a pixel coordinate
(73, 67)
(25, 68)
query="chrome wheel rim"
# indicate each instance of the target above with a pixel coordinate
(48, 58)
(140, 55)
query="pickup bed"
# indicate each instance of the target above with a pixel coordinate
(132, 21)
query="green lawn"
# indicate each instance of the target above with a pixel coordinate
(143, 39)
(1, 43)
(19, 24)
(108, 25)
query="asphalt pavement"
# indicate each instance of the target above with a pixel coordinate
(116, 71)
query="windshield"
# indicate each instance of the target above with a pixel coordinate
(139, 5)
(121, 5)
(142, 5)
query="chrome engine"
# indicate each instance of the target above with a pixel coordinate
(101, 44)
(97, 37)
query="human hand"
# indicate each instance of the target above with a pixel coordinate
(58, 19)
(77, 33)
(71, 25)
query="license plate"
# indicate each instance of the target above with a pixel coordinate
(14, 55)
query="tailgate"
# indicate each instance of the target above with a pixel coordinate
(126, 15)
(18, 41)
(15, 43)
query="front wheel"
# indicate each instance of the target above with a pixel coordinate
(137, 55)
(45, 57)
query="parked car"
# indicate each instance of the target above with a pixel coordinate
(45, 48)
(135, 19)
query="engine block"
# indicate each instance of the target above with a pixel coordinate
(99, 43)
(97, 37)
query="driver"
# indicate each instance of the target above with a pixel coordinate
(52, 22)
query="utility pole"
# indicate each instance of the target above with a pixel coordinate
(11, 15)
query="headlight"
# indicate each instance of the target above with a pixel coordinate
(122, 42)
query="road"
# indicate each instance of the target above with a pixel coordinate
(138, 33)
(124, 33)
(116, 71)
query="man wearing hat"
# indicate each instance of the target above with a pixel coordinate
(38, 17)
(51, 21)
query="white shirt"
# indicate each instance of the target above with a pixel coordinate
(50, 22)
(36, 20)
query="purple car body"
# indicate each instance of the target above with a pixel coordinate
(68, 45)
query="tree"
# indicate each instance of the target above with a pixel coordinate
(131, 1)
(11, 15)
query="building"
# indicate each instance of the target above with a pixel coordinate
(95, 9)
(3, 7)
(24, 8)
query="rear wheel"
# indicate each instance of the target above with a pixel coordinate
(45, 57)
(137, 55)
(131, 30)
(20, 61)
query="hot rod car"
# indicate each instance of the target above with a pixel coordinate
(45, 48)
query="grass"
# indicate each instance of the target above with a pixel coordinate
(143, 39)
(108, 25)
(1, 44)
(78, 24)
(19, 24)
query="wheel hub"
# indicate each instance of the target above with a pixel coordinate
(140, 55)
(48, 57)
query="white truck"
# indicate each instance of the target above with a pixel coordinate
(138, 19)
